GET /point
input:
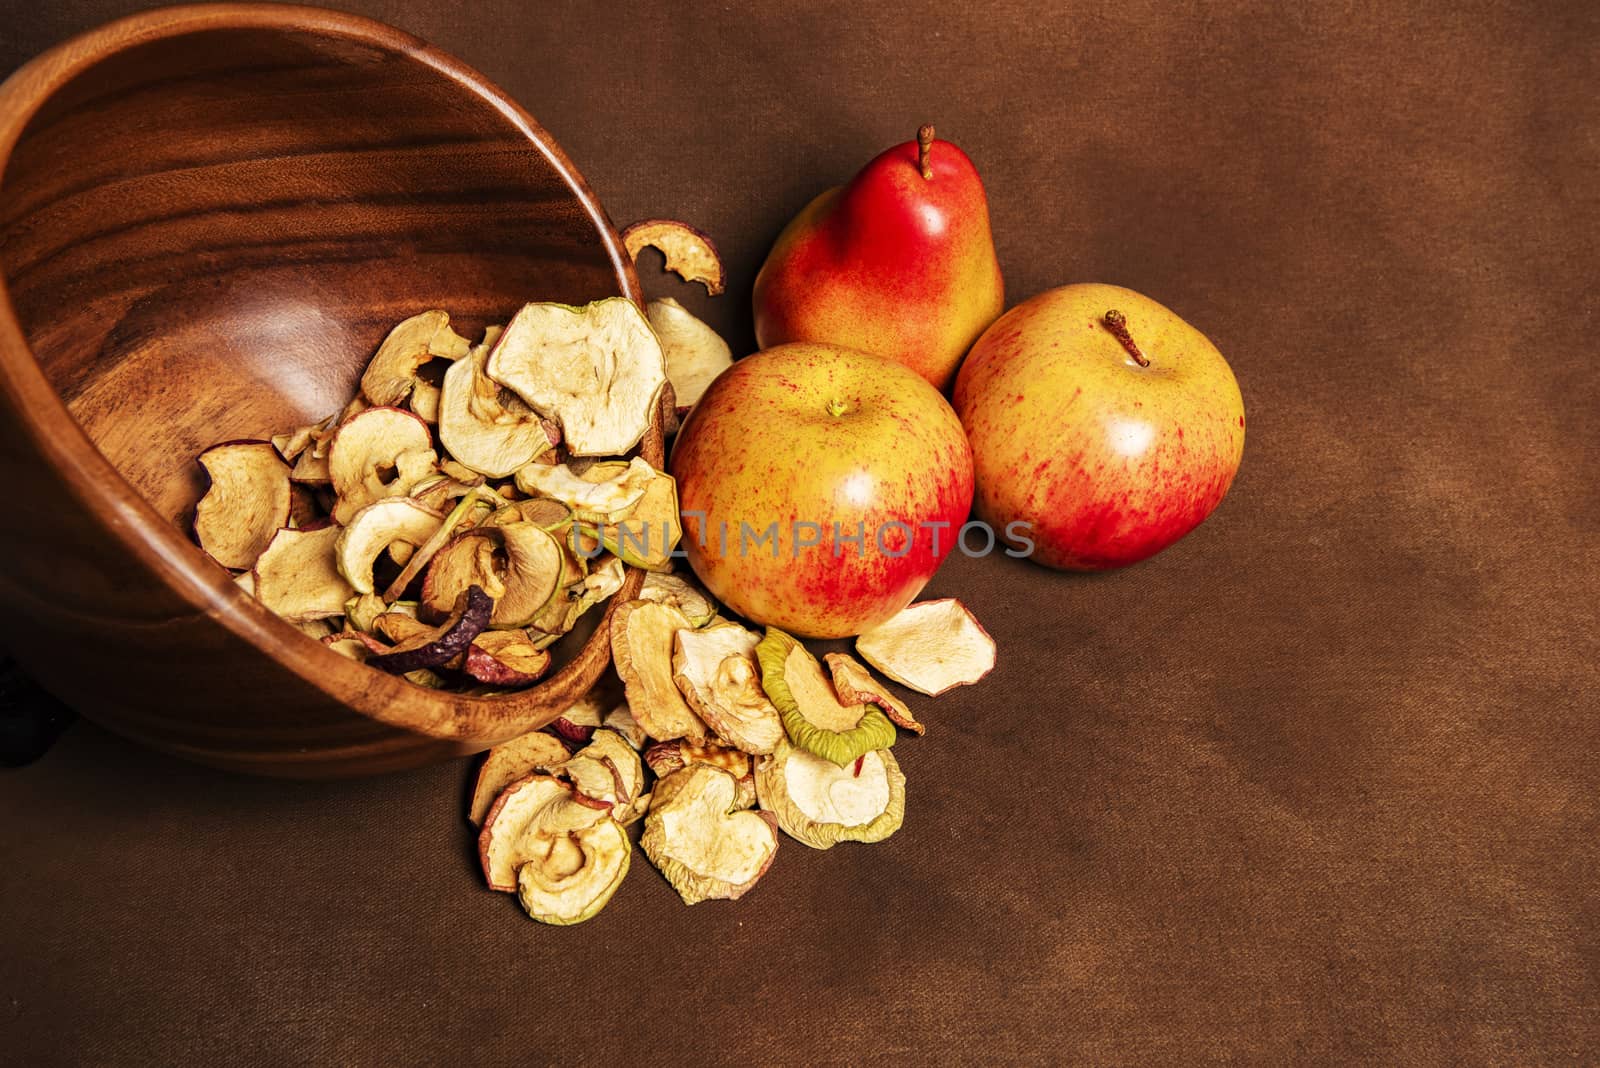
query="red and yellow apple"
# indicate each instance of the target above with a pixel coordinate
(1101, 419)
(821, 487)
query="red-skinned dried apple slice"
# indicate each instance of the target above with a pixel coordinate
(706, 846)
(247, 503)
(505, 658)
(579, 721)
(931, 647)
(596, 370)
(500, 845)
(855, 684)
(382, 452)
(508, 762)
(519, 565)
(454, 636)
(641, 648)
(687, 252)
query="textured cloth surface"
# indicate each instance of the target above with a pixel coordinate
(1319, 784)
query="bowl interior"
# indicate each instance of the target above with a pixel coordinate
(204, 237)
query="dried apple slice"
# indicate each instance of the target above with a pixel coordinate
(501, 845)
(508, 762)
(596, 370)
(819, 803)
(686, 251)
(667, 588)
(247, 503)
(609, 498)
(454, 636)
(374, 528)
(855, 684)
(296, 576)
(641, 647)
(483, 427)
(665, 758)
(579, 722)
(519, 565)
(695, 353)
(310, 469)
(715, 669)
(505, 658)
(572, 875)
(392, 375)
(931, 647)
(608, 770)
(382, 452)
(462, 515)
(811, 712)
(620, 719)
(648, 536)
(702, 841)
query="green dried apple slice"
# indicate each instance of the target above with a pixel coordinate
(596, 370)
(702, 841)
(819, 803)
(715, 669)
(812, 715)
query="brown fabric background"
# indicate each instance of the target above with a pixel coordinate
(1319, 784)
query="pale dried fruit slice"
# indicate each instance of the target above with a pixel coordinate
(363, 611)
(715, 669)
(706, 846)
(608, 498)
(596, 370)
(819, 803)
(665, 758)
(519, 565)
(620, 719)
(296, 576)
(687, 252)
(392, 374)
(346, 646)
(641, 647)
(481, 426)
(374, 528)
(667, 588)
(508, 762)
(650, 533)
(451, 641)
(382, 452)
(854, 684)
(931, 647)
(462, 515)
(570, 876)
(608, 770)
(695, 353)
(311, 469)
(501, 845)
(505, 658)
(247, 503)
(812, 715)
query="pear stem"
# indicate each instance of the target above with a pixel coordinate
(924, 149)
(1117, 324)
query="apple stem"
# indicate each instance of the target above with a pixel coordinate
(1117, 324)
(837, 407)
(924, 149)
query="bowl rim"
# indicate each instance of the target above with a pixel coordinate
(160, 546)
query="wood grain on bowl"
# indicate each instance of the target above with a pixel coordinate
(209, 218)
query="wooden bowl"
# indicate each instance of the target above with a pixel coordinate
(209, 217)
